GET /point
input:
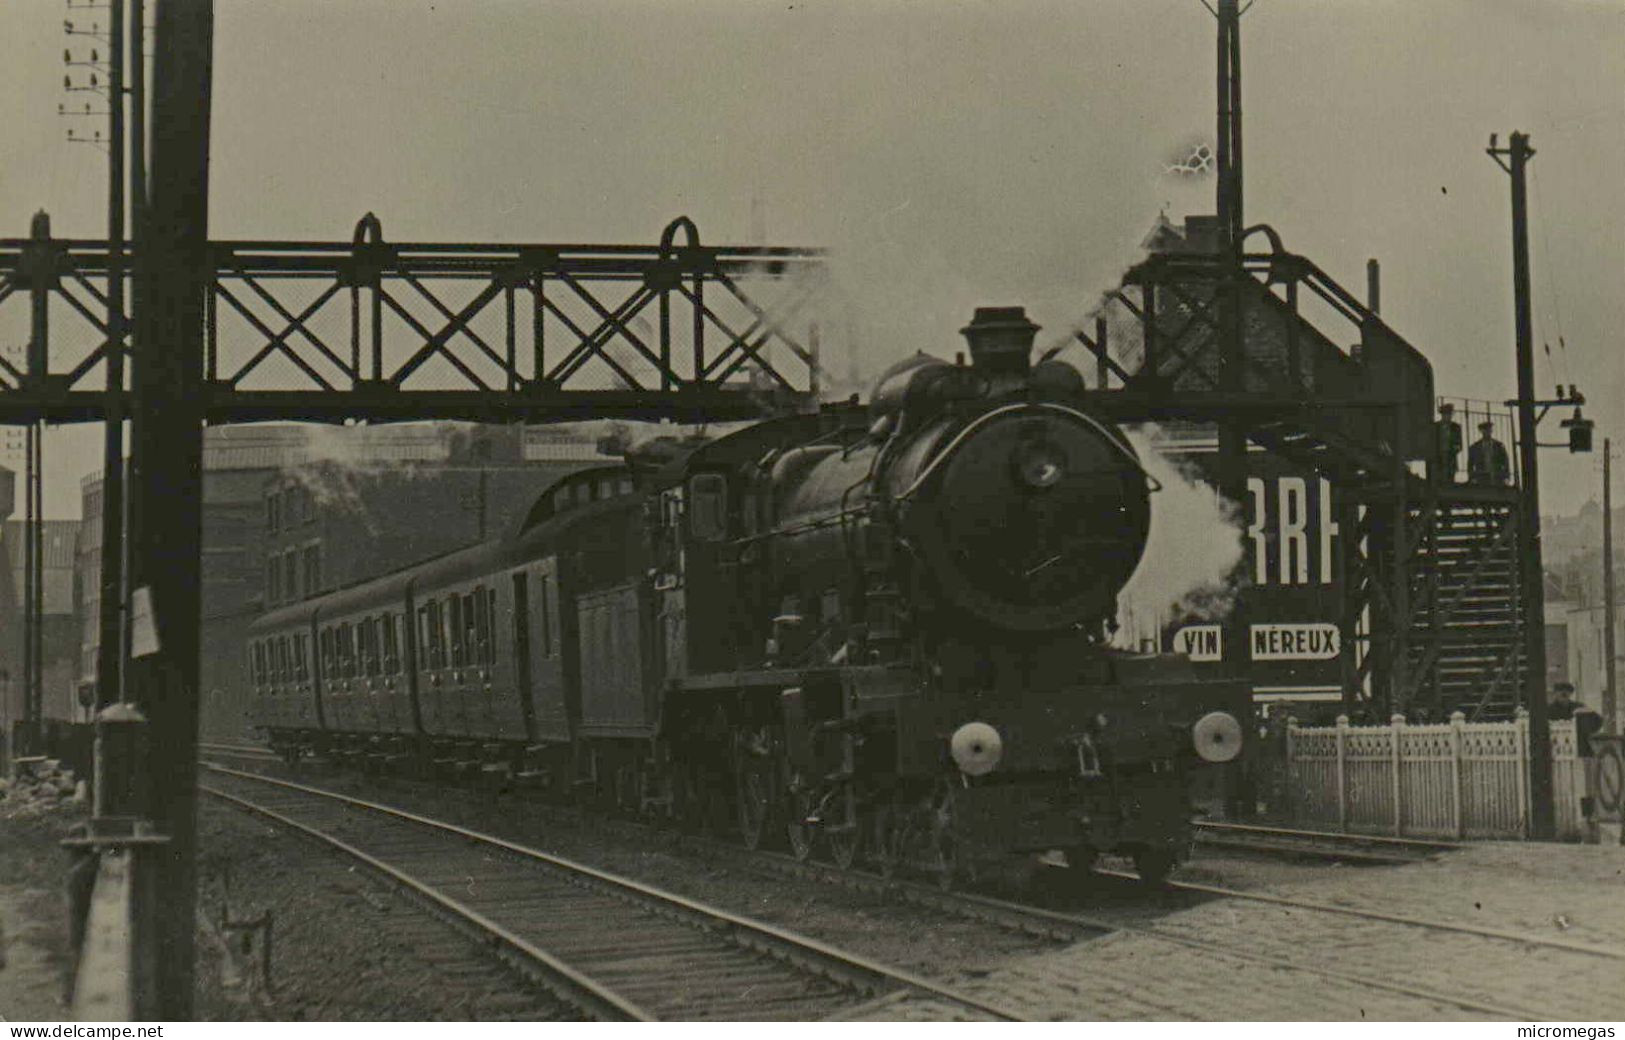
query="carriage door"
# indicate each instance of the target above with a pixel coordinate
(540, 648)
(670, 599)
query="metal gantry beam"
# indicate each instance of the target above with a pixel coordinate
(375, 330)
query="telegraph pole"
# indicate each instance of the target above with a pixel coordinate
(167, 436)
(1228, 328)
(1232, 351)
(110, 623)
(1514, 159)
(1610, 692)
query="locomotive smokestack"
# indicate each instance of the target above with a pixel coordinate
(1000, 338)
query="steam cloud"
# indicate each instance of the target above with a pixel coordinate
(1189, 566)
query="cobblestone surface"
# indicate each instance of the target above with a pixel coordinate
(1569, 892)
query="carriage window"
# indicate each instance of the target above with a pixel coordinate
(326, 639)
(345, 650)
(708, 507)
(482, 625)
(367, 633)
(392, 645)
(299, 671)
(546, 602)
(279, 661)
(375, 645)
(259, 663)
(624, 486)
(561, 499)
(437, 636)
(454, 626)
(471, 633)
(423, 637)
(490, 626)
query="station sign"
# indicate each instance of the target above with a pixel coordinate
(1306, 641)
(1200, 642)
(1291, 595)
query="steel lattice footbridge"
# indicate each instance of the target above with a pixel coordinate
(375, 330)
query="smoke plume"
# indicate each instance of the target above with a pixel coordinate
(1189, 567)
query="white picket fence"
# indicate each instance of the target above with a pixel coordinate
(1457, 779)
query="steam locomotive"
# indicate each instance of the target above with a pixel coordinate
(881, 633)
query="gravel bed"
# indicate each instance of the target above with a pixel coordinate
(346, 945)
(938, 944)
(34, 954)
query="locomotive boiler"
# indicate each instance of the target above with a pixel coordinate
(878, 631)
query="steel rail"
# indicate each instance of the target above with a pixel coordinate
(1439, 845)
(1069, 925)
(1041, 920)
(1503, 935)
(745, 932)
(1324, 844)
(595, 999)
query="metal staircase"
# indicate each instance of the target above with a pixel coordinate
(1466, 628)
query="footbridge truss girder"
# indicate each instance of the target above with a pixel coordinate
(376, 330)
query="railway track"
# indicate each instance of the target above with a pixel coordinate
(614, 948)
(1286, 841)
(1058, 923)
(1068, 924)
(245, 752)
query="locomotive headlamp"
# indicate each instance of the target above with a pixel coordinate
(1217, 736)
(976, 748)
(1041, 465)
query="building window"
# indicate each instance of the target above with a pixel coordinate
(290, 573)
(313, 568)
(273, 580)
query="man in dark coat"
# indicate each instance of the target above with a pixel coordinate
(1447, 445)
(1487, 462)
(1561, 708)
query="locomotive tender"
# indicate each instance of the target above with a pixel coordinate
(883, 631)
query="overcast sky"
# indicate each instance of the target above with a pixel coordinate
(951, 153)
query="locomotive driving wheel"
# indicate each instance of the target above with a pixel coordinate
(1154, 863)
(949, 854)
(889, 839)
(799, 805)
(843, 832)
(755, 798)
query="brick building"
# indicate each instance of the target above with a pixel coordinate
(59, 634)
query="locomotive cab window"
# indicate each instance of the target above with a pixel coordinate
(708, 507)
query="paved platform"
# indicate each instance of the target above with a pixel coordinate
(1560, 891)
